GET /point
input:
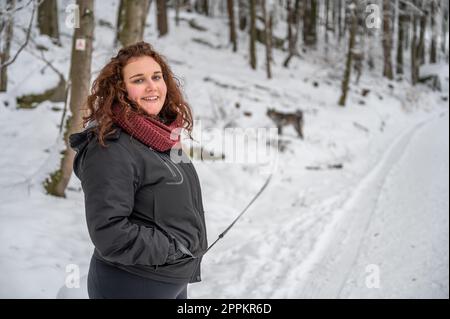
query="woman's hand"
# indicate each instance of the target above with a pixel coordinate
(177, 251)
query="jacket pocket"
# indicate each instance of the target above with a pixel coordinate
(184, 249)
(179, 253)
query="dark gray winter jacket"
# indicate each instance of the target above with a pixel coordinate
(144, 212)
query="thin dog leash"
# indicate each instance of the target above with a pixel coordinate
(242, 213)
(234, 222)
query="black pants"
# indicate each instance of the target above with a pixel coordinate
(109, 282)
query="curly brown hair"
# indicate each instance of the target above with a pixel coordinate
(108, 89)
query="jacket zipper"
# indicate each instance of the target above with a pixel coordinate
(197, 206)
(195, 200)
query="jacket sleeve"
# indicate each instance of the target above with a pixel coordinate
(109, 179)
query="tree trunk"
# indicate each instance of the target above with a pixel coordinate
(433, 45)
(327, 9)
(131, 21)
(232, 24)
(369, 34)
(48, 19)
(252, 34)
(268, 38)
(423, 25)
(314, 20)
(293, 32)
(243, 14)
(289, 23)
(80, 74)
(6, 24)
(309, 23)
(222, 8)
(348, 64)
(120, 21)
(370, 51)
(347, 15)
(359, 44)
(341, 34)
(177, 12)
(333, 16)
(206, 7)
(400, 38)
(387, 40)
(201, 6)
(444, 26)
(407, 31)
(161, 9)
(414, 53)
(146, 7)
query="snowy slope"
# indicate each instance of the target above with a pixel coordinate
(310, 234)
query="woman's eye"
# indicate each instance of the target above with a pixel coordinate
(138, 81)
(157, 77)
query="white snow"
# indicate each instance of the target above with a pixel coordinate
(378, 228)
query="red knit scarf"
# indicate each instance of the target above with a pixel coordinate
(149, 131)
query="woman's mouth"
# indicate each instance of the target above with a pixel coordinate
(150, 99)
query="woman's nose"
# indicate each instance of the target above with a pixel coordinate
(151, 85)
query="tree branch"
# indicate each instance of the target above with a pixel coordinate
(7, 63)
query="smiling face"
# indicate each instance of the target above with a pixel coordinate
(145, 84)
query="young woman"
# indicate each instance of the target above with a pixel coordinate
(144, 209)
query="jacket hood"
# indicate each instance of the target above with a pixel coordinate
(79, 142)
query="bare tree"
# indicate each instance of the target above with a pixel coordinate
(121, 17)
(370, 34)
(6, 24)
(268, 37)
(414, 51)
(80, 74)
(177, 12)
(48, 19)
(243, 14)
(444, 27)
(433, 45)
(359, 42)
(310, 23)
(252, 34)
(293, 30)
(161, 16)
(146, 7)
(202, 6)
(333, 16)
(290, 23)
(327, 9)
(402, 21)
(351, 43)
(339, 22)
(387, 39)
(423, 26)
(232, 24)
(131, 21)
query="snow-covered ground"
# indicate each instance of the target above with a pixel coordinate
(390, 238)
(377, 228)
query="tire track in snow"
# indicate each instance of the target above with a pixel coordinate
(325, 270)
(274, 249)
